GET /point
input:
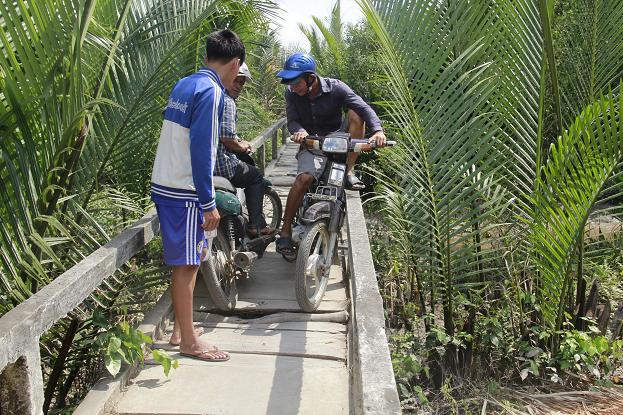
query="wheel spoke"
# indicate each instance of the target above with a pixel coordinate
(318, 244)
(311, 282)
(316, 282)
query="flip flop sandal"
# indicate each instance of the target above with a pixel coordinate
(206, 359)
(286, 248)
(354, 183)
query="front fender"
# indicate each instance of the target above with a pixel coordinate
(318, 211)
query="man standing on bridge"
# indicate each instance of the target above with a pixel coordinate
(182, 186)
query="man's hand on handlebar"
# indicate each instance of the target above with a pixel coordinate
(378, 138)
(298, 136)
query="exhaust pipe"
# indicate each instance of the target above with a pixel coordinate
(244, 259)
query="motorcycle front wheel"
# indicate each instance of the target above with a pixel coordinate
(312, 276)
(218, 273)
(272, 208)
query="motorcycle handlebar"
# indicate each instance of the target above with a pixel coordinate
(356, 145)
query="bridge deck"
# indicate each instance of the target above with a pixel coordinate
(288, 367)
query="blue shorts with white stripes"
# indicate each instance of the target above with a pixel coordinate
(182, 236)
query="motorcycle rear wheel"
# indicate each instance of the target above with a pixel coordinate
(272, 208)
(218, 273)
(311, 279)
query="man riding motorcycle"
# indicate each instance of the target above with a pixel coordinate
(314, 105)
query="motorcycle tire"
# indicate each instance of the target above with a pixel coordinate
(312, 251)
(218, 274)
(273, 209)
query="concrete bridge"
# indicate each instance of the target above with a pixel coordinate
(283, 361)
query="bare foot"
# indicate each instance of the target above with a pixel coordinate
(176, 337)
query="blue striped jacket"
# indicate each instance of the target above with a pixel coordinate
(186, 152)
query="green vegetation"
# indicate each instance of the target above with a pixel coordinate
(82, 88)
(492, 218)
(509, 119)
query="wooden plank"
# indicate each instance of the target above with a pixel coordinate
(204, 305)
(603, 316)
(284, 134)
(261, 158)
(617, 323)
(261, 139)
(273, 152)
(213, 320)
(282, 181)
(312, 326)
(309, 321)
(246, 384)
(246, 339)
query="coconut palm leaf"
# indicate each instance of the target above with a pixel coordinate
(590, 49)
(470, 104)
(328, 50)
(264, 62)
(316, 45)
(580, 165)
(83, 86)
(460, 103)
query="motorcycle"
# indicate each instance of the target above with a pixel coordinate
(321, 216)
(232, 252)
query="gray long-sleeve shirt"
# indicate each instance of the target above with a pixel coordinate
(323, 114)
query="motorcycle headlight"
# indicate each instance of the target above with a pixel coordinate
(335, 145)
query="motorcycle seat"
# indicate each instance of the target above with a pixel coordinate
(221, 183)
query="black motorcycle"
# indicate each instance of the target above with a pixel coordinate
(232, 251)
(321, 216)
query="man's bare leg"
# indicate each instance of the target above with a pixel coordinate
(295, 198)
(176, 336)
(357, 129)
(184, 277)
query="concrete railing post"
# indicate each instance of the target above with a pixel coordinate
(21, 385)
(261, 158)
(275, 146)
(284, 134)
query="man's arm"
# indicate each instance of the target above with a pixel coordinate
(203, 141)
(365, 111)
(228, 134)
(294, 123)
(237, 146)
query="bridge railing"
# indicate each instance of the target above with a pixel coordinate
(258, 145)
(372, 376)
(21, 380)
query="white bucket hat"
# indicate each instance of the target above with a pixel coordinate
(244, 71)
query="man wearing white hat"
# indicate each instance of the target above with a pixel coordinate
(231, 153)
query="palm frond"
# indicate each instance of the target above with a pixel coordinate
(82, 95)
(580, 165)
